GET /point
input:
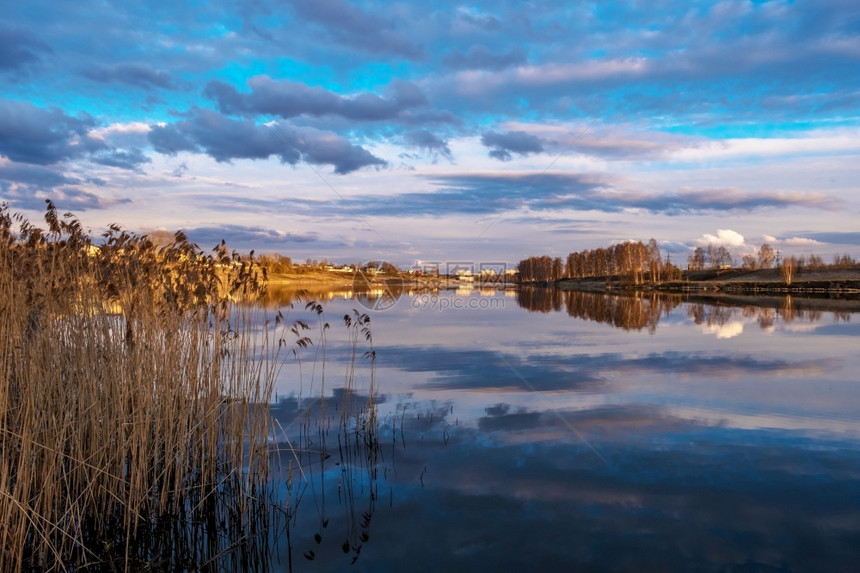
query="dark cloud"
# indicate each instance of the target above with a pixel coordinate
(503, 145)
(19, 47)
(472, 195)
(122, 158)
(288, 99)
(225, 139)
(243, 237)
(133, 74)
(352, 26)
(65, 197)
(477, 20)
(477, 194)
(597, 489)
(509, 422)
(33, 135)
(427, 142)
(539, 191)
(481, 57)
(487, 369)
(533, 190)
(836, 237)
(692, 201)
(34, 177)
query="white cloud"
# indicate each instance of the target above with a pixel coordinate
(724, 331)
(832, 141)
(791, 241)
(725, 237)
(801, 242)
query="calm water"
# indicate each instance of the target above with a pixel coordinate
(544, 430)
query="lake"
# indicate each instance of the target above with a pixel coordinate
(548, 430)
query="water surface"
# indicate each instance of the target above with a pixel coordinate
(566, 431)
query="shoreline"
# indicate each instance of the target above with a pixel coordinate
(822, 283)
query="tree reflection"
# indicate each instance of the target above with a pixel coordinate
(634, 311)
(643, 310)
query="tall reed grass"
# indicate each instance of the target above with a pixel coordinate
(134, 424)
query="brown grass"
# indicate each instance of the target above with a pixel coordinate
(133, 401)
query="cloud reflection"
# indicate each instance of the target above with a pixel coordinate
(671, 495)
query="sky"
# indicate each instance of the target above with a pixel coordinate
(422, 132)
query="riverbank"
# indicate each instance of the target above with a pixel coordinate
(317, 279)
(822, 282)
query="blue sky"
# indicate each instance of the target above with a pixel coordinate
(437, 131)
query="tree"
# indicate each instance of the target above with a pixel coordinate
(696, 261)
(557, 269)
(723, 258)
(655, 261)
(713, 258)
(750, 263)
(766, 256)
(815, 261)
(789, 265)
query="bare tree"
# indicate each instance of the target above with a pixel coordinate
(789, 265)
(557, 269)
(723, 258)
(766, 256)
(655, 262)
(696, 261)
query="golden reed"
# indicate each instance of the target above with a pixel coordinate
(133, 401)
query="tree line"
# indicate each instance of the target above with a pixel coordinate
(636, 261)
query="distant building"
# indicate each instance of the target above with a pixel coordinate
(465, 275)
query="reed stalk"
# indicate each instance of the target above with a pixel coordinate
(134, 396)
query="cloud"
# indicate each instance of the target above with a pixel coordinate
(724, 331)
(725, 237)
(123, 135)
(715, 199)
(241, 236)
(836, 237)
(801, 242)
(288, 99)
(485, 193)
(133, 74)
(65, 197)
(355, 27)
(30, 134)
(481, 57)
(46, 137)
(793, 241)
(225, 139)
(20, 47)
(482, 194)
(503, 145)
(536, 79)
(122, 158)
(428, 142)
(33, 177)
(487, 369)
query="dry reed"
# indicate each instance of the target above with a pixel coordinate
(134, 423)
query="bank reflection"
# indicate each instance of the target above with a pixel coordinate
(723, 315)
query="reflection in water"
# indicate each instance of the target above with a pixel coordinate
(378, 297)
(642, 311)
(567, 439)
(634, 311)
